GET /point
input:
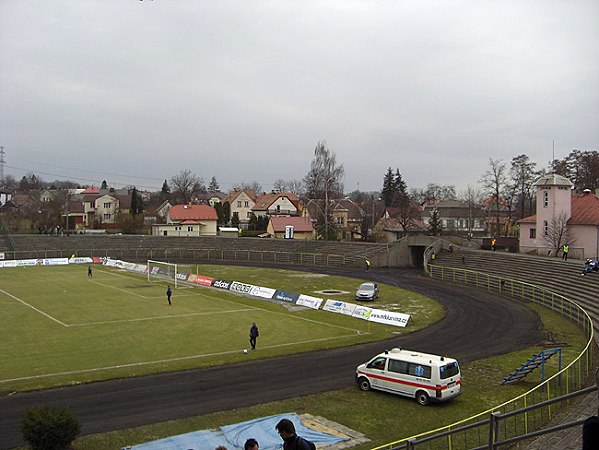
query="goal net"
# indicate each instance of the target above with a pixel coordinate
(163, 272)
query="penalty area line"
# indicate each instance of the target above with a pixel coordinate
(34, 308)
(162, 361)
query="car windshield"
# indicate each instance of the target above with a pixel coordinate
(366, 287)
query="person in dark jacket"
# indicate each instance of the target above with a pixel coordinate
(292, 441)
(253, 335)
(169, 292)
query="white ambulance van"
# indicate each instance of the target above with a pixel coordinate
(419, 375)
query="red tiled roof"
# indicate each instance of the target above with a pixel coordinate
(179, 213)
(300, 224)
(585, 209)
(264, 201)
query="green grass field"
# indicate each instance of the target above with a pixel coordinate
(62, 327)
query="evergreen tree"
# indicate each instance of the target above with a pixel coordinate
(435, 225)
(388, 193)
(166, 190)
(235, 219)
(218, 206)
(104, 185)
(226, 212)
(213, 186)
(401, 191)
(137, 206)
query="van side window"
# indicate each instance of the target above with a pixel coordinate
(398, 366)
(377, 363)
(449, 370)
(419, 370)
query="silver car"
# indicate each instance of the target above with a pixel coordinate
(367, 291)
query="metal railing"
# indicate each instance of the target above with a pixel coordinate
(521, 417)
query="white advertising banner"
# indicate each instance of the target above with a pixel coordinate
(10, 263)
(241, 287)
(362, 312)
(389, 318)
(262, 292)
(309, 301)
(81, 260)
(339, 307)
(56, 261)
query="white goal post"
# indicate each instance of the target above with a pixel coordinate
(160, 271)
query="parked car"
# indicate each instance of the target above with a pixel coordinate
(367, 291)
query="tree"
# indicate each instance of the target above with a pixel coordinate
(472, 198)
(46, 428)
(324, 180)
(235, 219)
(388, 192)
(253, 186)
(435, 225)
(227, 213)
(280, 185)
(523, 175)
(213, 186)
(104, 185)
(557, 233)
(296, 186)
(137, 206)
(9, 182)
(30, 182)
(186, 186)
(434, 191)
(166, 190)
(581, 168)
(493, 181)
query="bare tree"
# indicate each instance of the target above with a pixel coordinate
(472, 198)
(523, 175)
(557, 233)
(280, 185)
(493, 182)
(325, 179)
(185, 185)
(253, 186)
(296, 186)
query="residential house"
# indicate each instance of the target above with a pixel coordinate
(456, 216)
(188, 220)
(391, 228)
(242, 202)
(302, 227)
(5, 196)
(276, 204)
(103, 209)
(210, 198)
(562, 217)
(345, 216)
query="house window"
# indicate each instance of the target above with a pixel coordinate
(248, 214)
(340, 221)
(545, 199)
(107, 216)
(107, 205)
(239, 203)
(246, 204)
(545, 227)
(189, 228)
(533, 233)
(450, 224)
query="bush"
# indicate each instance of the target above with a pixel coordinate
(46, 428)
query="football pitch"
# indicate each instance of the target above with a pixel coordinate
(61, 327)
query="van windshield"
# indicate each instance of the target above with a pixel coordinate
(449, 370)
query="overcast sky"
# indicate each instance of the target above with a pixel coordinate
(134, 92)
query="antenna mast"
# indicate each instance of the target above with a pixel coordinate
(1, 165)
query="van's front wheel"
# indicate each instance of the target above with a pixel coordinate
(364, 383)
(422, 398)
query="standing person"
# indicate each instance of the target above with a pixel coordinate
(169, 292)
(493, 243)
(292, 441)
(89, 271)
(367, 262)
(565, 250)
(251, 444)
(253, 335)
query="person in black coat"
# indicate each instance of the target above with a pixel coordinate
(253, 335)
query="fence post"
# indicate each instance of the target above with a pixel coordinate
(493, 429)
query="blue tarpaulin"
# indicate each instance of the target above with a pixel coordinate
(234, 436)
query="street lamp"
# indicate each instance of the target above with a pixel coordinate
(374, 200)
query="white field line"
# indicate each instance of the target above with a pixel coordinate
(159, 317)
(34, 308)
(162, 361)
(119, 289)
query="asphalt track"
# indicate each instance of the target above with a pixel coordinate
(477, 325)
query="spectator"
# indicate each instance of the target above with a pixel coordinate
(251, 444)
(590, 428)
(292, 441)
(565, 250)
